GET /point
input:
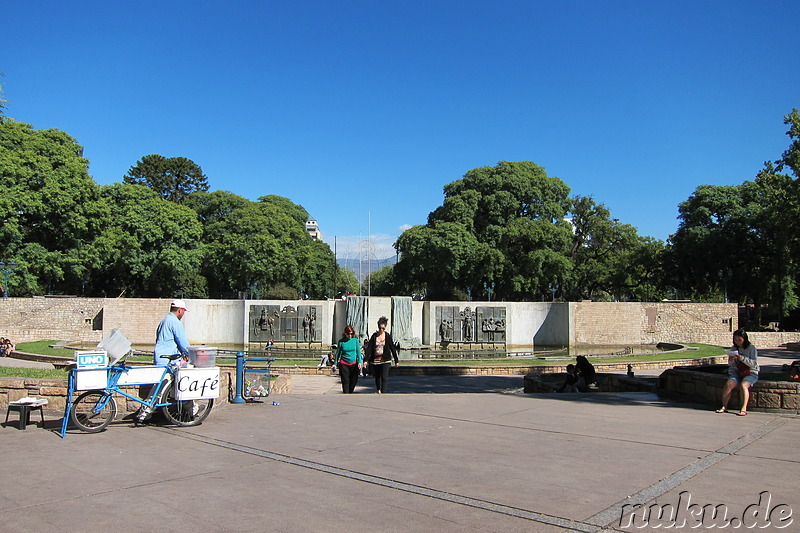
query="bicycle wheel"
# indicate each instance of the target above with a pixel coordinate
(185, 412)
(93, 411)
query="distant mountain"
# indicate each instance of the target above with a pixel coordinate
(366, 267)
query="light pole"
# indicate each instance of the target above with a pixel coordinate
(489, 288)
(7, 268)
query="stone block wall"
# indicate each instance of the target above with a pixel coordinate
(55, 392)
(605, 383)
(137, 318)
(618, 323)
(529, 323)
(31, 319)
(706, 387)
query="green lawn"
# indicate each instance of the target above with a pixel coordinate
(38, 373)
(43, 348)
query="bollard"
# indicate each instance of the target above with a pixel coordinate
(238, 398)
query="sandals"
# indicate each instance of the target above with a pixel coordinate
(725, 410)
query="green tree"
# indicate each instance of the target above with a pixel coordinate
(501, 225)
(50, 208)
(441, 260)
(297, 212)
(609, 257)
(741, 240)
(381, 282)
(173, 178)
(151, 247)
(345, 282)
(261, 246)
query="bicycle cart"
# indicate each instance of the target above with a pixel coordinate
(185, 396)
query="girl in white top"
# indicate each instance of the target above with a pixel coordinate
(742, 370)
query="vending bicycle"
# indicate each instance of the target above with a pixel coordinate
(94, 410)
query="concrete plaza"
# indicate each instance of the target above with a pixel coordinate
(434, 455)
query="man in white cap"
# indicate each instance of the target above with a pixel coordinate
(170, 335)
(170, 340)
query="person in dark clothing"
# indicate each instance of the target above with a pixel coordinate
(586, 374)
(379, 354)
(571, 381)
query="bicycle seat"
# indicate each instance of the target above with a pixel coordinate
(171, 357)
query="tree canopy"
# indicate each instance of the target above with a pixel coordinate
(516, 231)
(159, 233)
(174, 178)
(509, 230)
(738, 241)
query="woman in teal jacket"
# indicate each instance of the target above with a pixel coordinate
(348, 359)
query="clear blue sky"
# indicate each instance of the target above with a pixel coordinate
(361, 111)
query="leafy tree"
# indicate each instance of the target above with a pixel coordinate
(345, 282)
(173, 178)
(610, 257)
(261, 245)
(741, 239)
(215, 206)
(382, 282)
(151, 246)
(507, 226)
(535, 259)
(440, 260)
(50, 208)
(287, 206)
(791, 157)
(501, 225)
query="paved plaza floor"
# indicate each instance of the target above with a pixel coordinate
(436, 454)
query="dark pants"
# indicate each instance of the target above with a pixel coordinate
(381, 373)
(349, 375)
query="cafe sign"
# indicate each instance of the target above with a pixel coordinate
(197, 383)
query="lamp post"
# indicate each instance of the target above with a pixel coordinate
(489, 288)
(7, 268)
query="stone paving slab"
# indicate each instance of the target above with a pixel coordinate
(424, 458)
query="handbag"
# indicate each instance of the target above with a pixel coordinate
(742, 369)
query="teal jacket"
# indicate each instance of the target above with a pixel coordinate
(349, 352)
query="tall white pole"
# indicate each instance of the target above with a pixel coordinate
(369, 253)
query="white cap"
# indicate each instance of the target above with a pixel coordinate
(180, 304)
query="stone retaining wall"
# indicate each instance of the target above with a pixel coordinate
(31, 319)
(619, 323)
(227, 322)
(706, 387)
(605, 382)
(55, 392)
(412, 370)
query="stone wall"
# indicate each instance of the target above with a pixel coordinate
(605, 383)
(706, 387)
(775, 339)
(55, 392)
(31, 319)
(617, 323)
(529, 323)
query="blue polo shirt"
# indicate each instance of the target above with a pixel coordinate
(170, 339)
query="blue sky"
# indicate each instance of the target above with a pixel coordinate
(361, 111)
